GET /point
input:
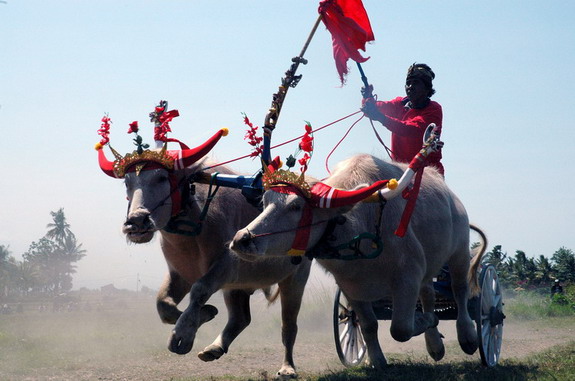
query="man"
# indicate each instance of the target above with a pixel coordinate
(556, 288)
(408, 117)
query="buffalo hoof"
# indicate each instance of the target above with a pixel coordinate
(468, 347)
(467, 337)
(211, 353)
(179, 345)
(378, 363)
(287, 372)
(434, 344)
(207, 313)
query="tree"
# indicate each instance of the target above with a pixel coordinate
(55, 256)
(523, 268)
(5, 270)
(28, 277)
(43, 255)
(544, 270)
(502, 263)
(59, 229)
(564, 260)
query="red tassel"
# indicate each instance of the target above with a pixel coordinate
(410, 206)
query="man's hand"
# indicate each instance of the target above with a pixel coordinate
(367, 92)
(370, 110)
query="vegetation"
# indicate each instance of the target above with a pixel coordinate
(46, 268)
(520, 271)
(529, 280)
(557, 364)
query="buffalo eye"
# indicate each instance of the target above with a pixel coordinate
(162, 179)
(295, 207)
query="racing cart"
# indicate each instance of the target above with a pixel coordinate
(486, 310)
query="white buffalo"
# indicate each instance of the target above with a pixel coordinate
(194, 236)
(438, 234)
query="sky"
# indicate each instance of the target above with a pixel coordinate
(504, 72)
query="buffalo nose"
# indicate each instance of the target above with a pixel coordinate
(137, 220)
(242, 238)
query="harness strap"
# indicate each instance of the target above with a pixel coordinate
(175, 224)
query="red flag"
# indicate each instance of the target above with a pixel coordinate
(350, 30)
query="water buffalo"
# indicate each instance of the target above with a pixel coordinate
(194, 240)
(438, 233)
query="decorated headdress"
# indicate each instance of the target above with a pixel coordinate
(319, 195)
(143, 158)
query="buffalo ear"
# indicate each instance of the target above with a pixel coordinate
(346, 208)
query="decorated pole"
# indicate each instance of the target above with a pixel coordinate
(349, 25)
(289, 80)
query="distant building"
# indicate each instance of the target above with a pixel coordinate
(109, 289)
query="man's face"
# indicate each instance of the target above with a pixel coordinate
(416, 90)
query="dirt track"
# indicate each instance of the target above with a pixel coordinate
(130, 344)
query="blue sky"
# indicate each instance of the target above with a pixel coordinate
(504, 72)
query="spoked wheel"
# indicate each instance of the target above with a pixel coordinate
(490, 317)
(349, 342)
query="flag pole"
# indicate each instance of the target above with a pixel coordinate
(289, 80)
(311, 34)
(363, 77)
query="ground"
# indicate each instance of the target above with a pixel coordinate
(124, 340)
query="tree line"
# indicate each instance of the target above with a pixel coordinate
(47, 267)
(520, 271)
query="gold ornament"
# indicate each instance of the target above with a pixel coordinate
(281, 177)
(122, 163)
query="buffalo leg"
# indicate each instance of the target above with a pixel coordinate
(405, 321)
(433, 339)
(369, 325)
(291, 294)
(184, 333)
(458, 269)
(171, 293)
(239, 317)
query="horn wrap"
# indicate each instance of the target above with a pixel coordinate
(326, 196)
(171, 160)
(187, 157)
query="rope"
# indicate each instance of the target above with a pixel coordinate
(338, 143)
(387, 149)
(286, 142)
(287, 230)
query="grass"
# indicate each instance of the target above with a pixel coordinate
(531, 305)
(557, 365)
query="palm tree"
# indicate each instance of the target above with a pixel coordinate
(5, 270)
(59, 229)
(564, 264)
(4, 253)
(524, 268)
(544, 270)
(69, 252)
(28, 276)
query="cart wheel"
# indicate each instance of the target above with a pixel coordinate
(349, 342)
(490, 317)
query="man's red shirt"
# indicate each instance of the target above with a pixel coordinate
(408, 126)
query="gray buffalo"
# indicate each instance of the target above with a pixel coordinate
(195, 228)
(438, 234)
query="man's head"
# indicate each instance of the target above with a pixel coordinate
(419, 74)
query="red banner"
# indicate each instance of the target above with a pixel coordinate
(350, 30)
